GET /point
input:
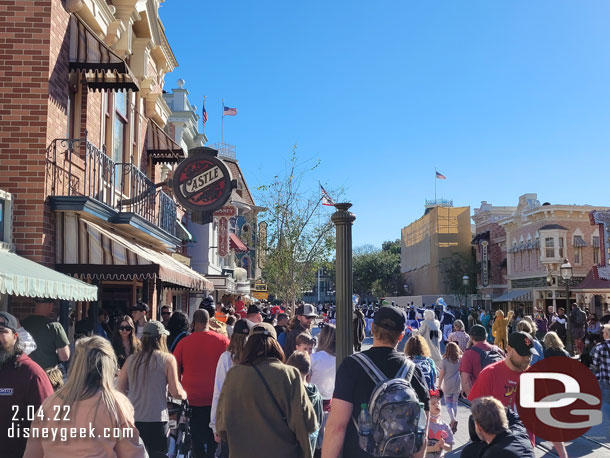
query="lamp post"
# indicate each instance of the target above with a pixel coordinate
(567, 271)
(465, 282)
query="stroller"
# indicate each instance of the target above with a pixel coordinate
(179, 429)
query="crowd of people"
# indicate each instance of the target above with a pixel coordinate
(258, 383)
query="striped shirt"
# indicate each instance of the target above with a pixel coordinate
(600, 356)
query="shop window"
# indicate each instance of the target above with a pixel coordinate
(549, 245)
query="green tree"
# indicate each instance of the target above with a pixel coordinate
(300, 238)
(453, 269)
(377, 272)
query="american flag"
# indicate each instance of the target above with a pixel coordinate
(228, 111)
(204, 115)
(326, 199)
(440, 176)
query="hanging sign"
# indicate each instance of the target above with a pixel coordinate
(227, 210)
(223, 236)
(202, 182)
(484, 264)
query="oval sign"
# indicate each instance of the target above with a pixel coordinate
(202, 183)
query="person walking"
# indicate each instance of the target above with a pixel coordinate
(430, 330)
(559, 325)
(226, 361)
(476, 357)
(197, 356)
(52, 344)
(138, 313)
(600, 364)
(578, 327)
(525, 326)
(449, 381)
(24, 384)
(359, 329)
(417, 350)
(92, 402)
(300, 323)
(263, 408)
(323, 372)
(353, 386)
(553, 345)
(124, 340)
(499, 329)
(459, 335)
(178, 327)
(147, 377)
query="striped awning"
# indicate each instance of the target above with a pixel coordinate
(91, 251)
(515, 295)
(20, 276)
(579, 241)
(160, 146)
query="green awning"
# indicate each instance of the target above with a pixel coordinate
(21, 277)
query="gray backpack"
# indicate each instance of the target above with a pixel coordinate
(399, 420)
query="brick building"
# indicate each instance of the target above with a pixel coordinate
(539, 238)
(490, 251)
(82, 143)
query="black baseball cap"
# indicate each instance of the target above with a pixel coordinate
(478, 331)
(523, 343)
(8, 321)
(254, 308)
(241, 327)
(390, 318)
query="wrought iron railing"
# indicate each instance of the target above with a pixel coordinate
(76, 167)
(224, 149)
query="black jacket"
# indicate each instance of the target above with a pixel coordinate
(510, 444)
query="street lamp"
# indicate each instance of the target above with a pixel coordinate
(465, 282)
(567, 271)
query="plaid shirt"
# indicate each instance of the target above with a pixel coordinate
(600, 356)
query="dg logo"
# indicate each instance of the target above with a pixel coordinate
(559, 399)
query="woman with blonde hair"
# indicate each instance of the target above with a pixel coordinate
(418, 351)
(449, 380)
(430, 330)
(553, 345)
(88, 400)
(145, 378)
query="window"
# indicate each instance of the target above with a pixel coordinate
(561, 247)
(119, 133)
(549, 244)
(595, 249)
(577, 250)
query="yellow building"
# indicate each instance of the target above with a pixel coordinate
(442, 231)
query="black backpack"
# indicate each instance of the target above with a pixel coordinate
(488, 357)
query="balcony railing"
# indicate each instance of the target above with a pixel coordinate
(76, 167)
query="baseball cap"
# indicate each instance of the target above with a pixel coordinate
(478, 331)
(155, 329)
(209, 300)
(241, 327)
(140, 307)
(8, 321)
(390, 318)
(263, 328)
(306, 310)
(254, 308)
(523, 343)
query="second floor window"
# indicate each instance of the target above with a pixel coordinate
(549, 245)
(561, 247)
(119, 133)
(595, 249)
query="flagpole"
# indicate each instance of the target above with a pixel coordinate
(320, 191)
(435, 179)
(222, 124)
(203, 126)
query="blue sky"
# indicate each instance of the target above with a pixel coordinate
(502, 97)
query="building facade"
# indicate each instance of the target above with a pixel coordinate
(83, 147)
(539, 239)
(442, 231)
(490, 251)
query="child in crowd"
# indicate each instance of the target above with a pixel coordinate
(305, 342)
(56, 377)
(300, 359)
(449, 380)
(440, 437)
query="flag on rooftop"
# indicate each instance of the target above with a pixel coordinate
(228, 111)
(326, 199)
(204, 115)
(440, 176)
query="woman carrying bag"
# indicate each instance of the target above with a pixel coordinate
(263, 409)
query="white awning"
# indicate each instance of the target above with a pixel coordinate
(21, 277)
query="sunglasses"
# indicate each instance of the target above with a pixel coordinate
(125, 328)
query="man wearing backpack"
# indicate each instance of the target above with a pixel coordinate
(354, 386)
(480, 355)
(578, 322)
